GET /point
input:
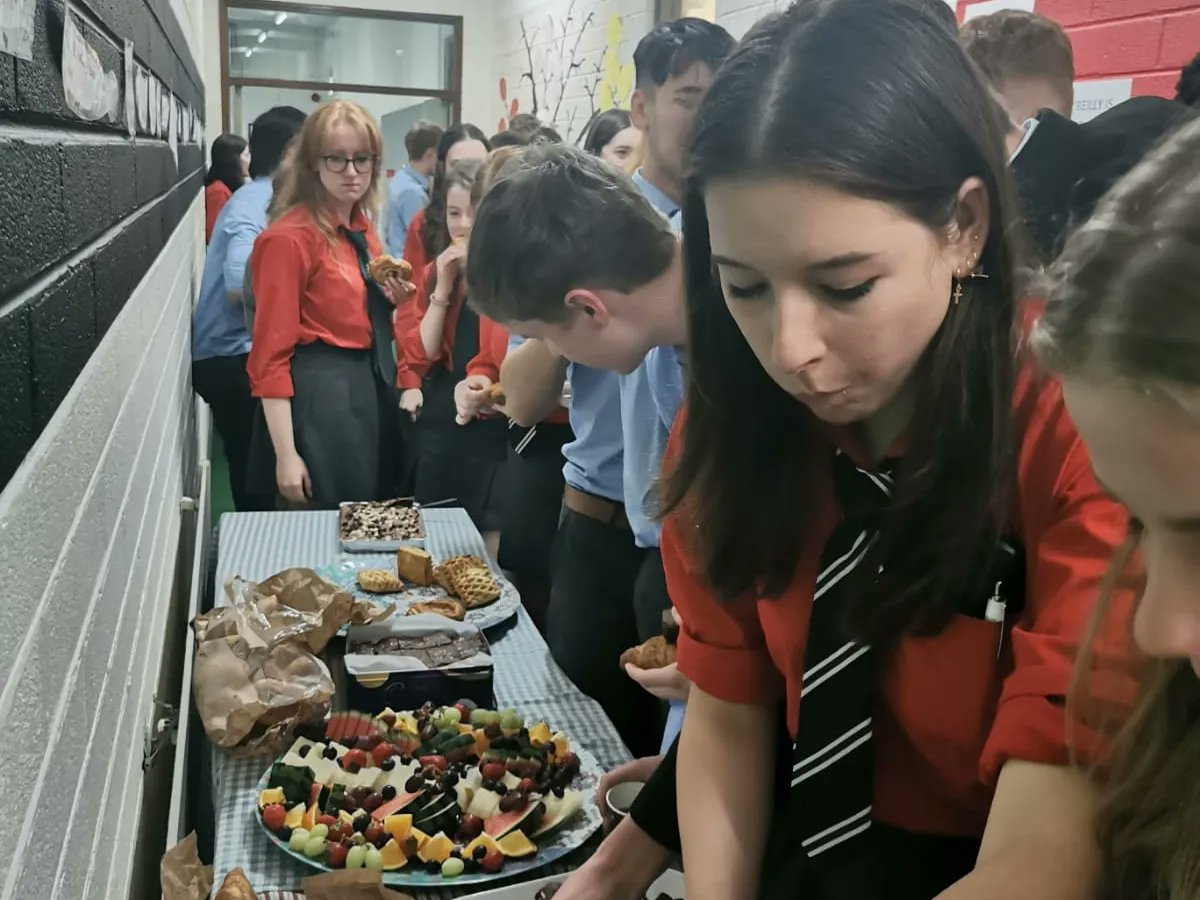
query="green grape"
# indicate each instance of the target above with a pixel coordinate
(451, 716)
(319, 831)
(356, 857)
(298, 840)
(452, 867)
(480, 716)
(315, 847)
(374, 859)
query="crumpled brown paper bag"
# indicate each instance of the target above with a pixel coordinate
(305, 592)
(349, 884)
(182, 875)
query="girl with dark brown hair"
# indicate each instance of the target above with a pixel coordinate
(880, 520)
(1122, 327)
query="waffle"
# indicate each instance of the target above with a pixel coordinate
(379, 581)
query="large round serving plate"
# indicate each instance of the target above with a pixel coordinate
(552, 847)
(344, 574)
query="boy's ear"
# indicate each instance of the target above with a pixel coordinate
(589, 303)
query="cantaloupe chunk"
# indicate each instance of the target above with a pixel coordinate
(393, 856)
(436, 849)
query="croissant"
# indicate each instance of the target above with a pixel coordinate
(381, 268)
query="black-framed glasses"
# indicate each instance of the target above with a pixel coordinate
(337, 164)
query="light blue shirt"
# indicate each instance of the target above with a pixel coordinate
(407, 195)
(650, 397)
(594, 458)
(219, 325)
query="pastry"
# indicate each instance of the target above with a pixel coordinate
(653, 654)
(381, 268)
(434, 650)
(415, 565)
(379, 581)
(496, 395)
(236, 887)
(469, 578)
(446, 606)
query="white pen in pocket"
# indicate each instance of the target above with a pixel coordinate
(995, 612)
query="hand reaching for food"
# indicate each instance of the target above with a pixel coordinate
(471, 397)
(665, 682)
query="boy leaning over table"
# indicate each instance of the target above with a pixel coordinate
(580, 218)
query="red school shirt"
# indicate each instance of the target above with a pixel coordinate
(408, 340)
(414, 250)
(305, 290)
(216, 195)
(949, 715)
(493, 347)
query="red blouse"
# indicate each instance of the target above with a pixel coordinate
(305, 290)
(216, 195)
(414, 250)
(949, 713)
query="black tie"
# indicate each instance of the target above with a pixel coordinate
(379, 311)
(833, 765)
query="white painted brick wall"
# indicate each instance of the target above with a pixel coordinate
(90, 527)
(736, 16)
(551, 54)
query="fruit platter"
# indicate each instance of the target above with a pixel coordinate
(431, 797)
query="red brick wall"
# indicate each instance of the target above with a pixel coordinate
(1148, 41)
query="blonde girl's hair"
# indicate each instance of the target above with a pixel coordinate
(298, 182)
(1124, 308)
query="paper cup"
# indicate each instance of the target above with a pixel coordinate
(620, 798)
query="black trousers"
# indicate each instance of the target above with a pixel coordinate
(346, 426)
(225, 387)
(591, 622)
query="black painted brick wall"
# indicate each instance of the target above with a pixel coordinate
(64, 185)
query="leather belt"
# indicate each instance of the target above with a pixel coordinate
(603, 511)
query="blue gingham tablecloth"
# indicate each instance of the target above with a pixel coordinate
(256, 546)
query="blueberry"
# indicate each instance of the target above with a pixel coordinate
(479, 852)
(559, 791)
(285, 834)
(329, 753)
(388, 792)
(388, 764)
(433, 867)
(303, 751)
(450, 780)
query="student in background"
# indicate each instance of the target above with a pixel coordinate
(460, 461)
(220, 338)
(1061, 167)
(675, 64)
(409, 189)
(322, 358)
(427, 231)
(506, 139)
(227, 171)
(524, 125)
(1122, 327)
(612, 137)
(1028, 60)
(1187, 91)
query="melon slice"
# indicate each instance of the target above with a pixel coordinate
(394, 805)
(324, 770)
(343, 726)
(502, 823)
(485, 804)
(558, 811)
(293, 757)
(511, 781)
(345, 818)
(515, 845)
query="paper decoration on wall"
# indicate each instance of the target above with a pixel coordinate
(152, 93)
(16, 27)
(92, 92)
(173, 127)
(164, 110)
(130, 98)
(617, 84)
(1094, 97)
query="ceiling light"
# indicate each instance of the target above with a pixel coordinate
(248, 52)
(280, 18)
(262, 36)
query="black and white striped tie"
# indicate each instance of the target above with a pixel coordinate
(833, 766)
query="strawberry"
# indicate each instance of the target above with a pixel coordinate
(356, 758)
(492, 771)
(381, 752)
(273, 816)
(493, 862)
(438, 762)
(327, 821)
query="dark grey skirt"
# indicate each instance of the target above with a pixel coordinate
(346, 427)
